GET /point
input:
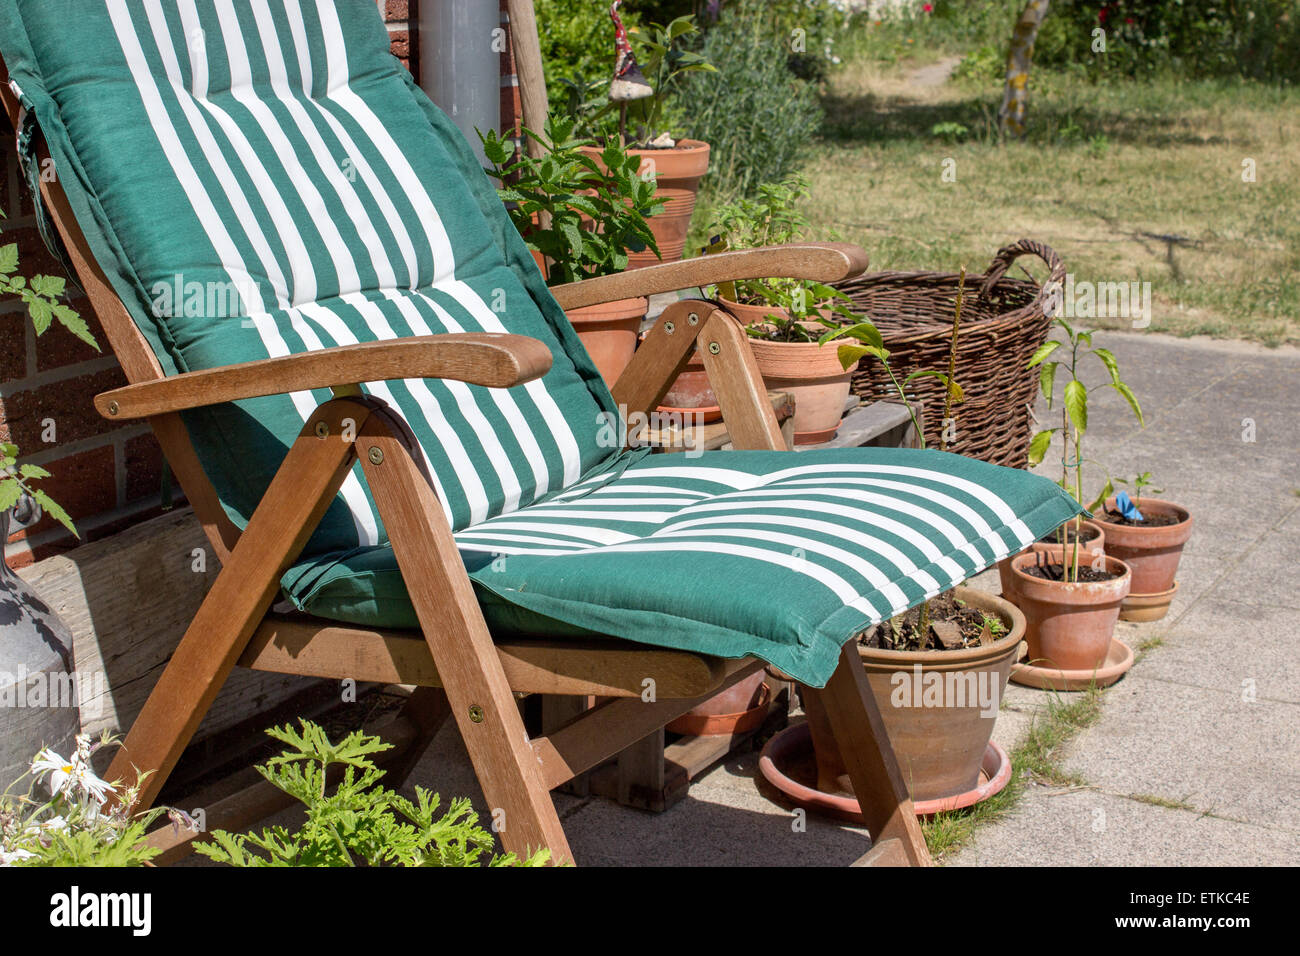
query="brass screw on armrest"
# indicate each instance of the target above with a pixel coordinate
(376, 455)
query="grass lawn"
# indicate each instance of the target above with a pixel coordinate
(1107, 169)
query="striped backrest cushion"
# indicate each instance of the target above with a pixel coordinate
(262, 177)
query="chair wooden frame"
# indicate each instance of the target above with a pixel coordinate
(458, 668)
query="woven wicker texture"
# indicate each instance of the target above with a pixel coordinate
(1002, 323)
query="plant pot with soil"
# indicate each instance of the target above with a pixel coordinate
(1147, 534)
(1092, 539)
(1071, 595)
(580, 219)
(939, 699)
(1070, 612)
(788, 320)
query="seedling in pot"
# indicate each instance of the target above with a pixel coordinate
(1074, 419)
(1139, 482)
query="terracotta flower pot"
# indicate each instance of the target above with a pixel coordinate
(737, 709)
(678, 171)
(939, 707)
(810, 373)
(1152, 554)
(1069, 625)
(1093, 546)
(609, 331)
(692, 393)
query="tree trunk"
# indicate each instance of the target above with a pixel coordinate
(1015, 101)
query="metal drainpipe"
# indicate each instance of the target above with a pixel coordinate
(460, 62)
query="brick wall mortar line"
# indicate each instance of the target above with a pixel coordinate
(53, 453)
(54, 375)
(84, 525)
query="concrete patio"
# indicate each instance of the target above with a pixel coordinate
(1196, 757)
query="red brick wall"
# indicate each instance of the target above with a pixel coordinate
(107, 477)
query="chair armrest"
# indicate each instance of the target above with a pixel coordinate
(496, 360)
(818, 261)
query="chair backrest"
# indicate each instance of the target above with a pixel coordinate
(263, 177)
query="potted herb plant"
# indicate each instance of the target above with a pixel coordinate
(1071, 600)
(787, 318)
(1148, 535)
(937, 672)
(581, 218)
(646, 126)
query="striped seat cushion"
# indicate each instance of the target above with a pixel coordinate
(779, 556)
(262, 177)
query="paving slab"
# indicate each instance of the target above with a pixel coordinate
(1091, 828)
(1231, 646)
(1217, 751)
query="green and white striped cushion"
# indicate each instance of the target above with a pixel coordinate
(273, 156)
(776, 555)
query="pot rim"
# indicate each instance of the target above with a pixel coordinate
(942, 659)
(1020, 560)
(1099, 531)
(1185, 523)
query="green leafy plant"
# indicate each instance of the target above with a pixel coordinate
(16, 480)
(756, 114)
(41, 295)
(1074, 416)
(577, 43)
(800, 307)
(665, 57)
(581, 212)
(949, 131)
(1139, 482)
(353, 821)
(75, 825)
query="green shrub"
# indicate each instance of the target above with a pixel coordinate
(753, 110)
(1248, 39)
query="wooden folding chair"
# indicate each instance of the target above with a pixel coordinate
(453, 659)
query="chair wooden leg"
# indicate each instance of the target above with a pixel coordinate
(873, 769)
(293, 506)
(449, 615)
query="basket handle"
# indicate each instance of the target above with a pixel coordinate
(1012, 251)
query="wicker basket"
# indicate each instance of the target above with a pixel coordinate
(1003, 323)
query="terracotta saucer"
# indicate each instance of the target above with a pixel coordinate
(794, 745)
(1147, 607)
(1118, 660)
(710, 725)
(696, 416)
